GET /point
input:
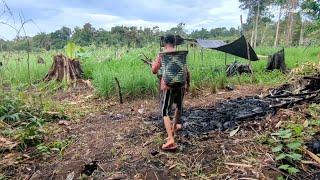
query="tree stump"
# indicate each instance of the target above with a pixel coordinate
(64, 69)
(277, 61)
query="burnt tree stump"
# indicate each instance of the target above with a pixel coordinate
(237, 68)
(64, 69)
(277, 61)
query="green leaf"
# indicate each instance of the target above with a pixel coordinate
(280, 178)
(295, 156)
(281, 156)
(71, 50)
(315, 122)
(294, 145)
(284, 167)
(278, 148)
(292, 170)
(284, 134)
(298, 129)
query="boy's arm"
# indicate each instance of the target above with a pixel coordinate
(156, 65)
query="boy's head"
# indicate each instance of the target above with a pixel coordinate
(169, 40)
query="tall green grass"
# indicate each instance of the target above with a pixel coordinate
(136, 78)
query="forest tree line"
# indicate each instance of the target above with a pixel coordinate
(269, 23)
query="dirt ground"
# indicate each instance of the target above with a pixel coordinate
(113, 141)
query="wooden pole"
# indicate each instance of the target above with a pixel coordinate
(241, 31)
(194, 53)
(248, 48)
(119, 90)
(225, 58)
(256, 26)
(202, 56)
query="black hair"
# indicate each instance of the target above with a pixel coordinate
(170, 39)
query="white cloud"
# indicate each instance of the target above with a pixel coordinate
(199, 14)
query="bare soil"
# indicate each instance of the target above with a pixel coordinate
(120, 144)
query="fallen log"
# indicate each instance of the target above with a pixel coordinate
(285, 104)
(312, 78)
(293, 95)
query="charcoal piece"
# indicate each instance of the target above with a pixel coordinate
(90, 168)
(154, 152)
(229, 125)
(314, 144)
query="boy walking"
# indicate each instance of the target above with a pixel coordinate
(175, 81)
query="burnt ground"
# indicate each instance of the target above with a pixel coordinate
(121, 141)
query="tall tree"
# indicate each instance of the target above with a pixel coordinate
(179, 29)
(84, 36)
(41, 40)
(59, 38)
(292, 6)
(280, 4)
(256, 10)
(311, 9)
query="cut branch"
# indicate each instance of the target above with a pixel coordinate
(119, 90)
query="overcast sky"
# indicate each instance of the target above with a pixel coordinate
(50, 15)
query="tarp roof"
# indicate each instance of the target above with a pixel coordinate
(210, 43)
(237, 47)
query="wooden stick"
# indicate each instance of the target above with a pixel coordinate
(119, 89)
(262, 56)
(312, 78)
(239, 165)
(146, 62)
(313, 156)
(225, 58)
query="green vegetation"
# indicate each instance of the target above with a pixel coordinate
(102, 65)
(288, 142)
(24, 122)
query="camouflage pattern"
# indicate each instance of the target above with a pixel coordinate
(173, 67)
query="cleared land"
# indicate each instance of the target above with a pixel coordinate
(82, 129)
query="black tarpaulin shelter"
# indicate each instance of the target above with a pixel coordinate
(238, 47)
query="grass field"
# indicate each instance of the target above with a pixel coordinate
(135, 77)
